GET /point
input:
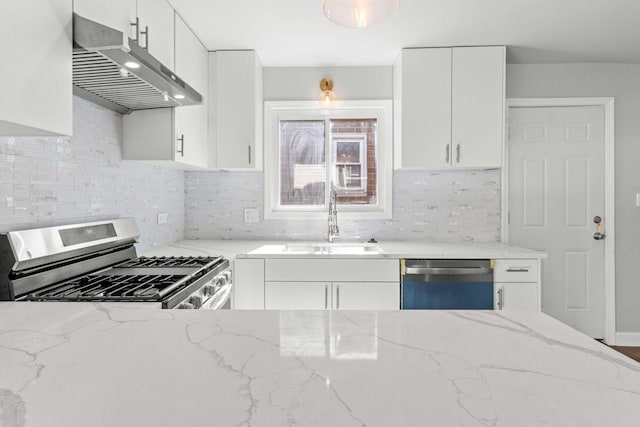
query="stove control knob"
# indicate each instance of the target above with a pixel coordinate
(196, 301)
(209, 290)
(186, 306)
(221, 282)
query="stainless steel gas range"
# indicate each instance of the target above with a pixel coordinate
(97, 262)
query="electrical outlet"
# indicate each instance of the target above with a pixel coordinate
(251, 215)
(163, 218)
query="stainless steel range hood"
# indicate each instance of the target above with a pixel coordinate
(104, 73)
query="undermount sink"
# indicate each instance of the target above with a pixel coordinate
(322, 248)
(338, 248)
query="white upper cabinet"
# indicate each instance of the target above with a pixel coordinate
(192, 65)
(477, 106)
(235, 122)
(116, 14)
(426, 108)
(449, 107)
(36, 46)
(174, 137)
(156, 29)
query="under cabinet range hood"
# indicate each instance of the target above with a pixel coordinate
(122, 77)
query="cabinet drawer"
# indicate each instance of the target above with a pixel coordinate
(332, 270)
(515, 270)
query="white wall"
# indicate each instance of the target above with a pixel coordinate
(349, 83)
(621, 81)
(48, 181)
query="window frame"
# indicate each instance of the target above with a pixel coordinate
(276, 111)
(361, 140)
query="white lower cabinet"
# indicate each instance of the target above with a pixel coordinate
(248, 284)
(317, 284)
(335, 296)
(366, 296)
(297, 295)
(516, 296)
(517, 284)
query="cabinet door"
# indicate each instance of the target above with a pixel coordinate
(297, 295)
(366, 296)
(477, 106)
(426, 108)
(248, 284)
(516, 296)
(117, 14)
(191, 64)
(239, 110)
(157, 20)
(36, 46)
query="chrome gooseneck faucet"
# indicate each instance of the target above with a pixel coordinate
(333, 231)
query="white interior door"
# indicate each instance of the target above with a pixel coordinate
(556, 188)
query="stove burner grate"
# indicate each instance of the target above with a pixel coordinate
(184, 261)
(108, 288)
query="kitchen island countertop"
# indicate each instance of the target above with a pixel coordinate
(79, 364)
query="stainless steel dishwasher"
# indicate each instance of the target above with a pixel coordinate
(447, 284)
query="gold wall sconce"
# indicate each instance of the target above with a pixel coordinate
(327, 96)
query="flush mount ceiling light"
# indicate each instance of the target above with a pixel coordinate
(359, 13)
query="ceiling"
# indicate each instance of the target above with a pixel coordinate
(296, 33)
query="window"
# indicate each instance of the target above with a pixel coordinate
(310, 149)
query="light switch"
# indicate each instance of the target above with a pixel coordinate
(638, 200)
(251, 215)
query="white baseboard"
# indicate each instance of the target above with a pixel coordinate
(628, 339)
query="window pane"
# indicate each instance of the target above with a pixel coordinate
(302, 162)
(354, 162)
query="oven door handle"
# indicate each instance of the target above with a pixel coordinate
(460, 271)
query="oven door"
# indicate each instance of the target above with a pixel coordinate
(221, 300)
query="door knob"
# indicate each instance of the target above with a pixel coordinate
(598, 235)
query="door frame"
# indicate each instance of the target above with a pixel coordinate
(609, 190)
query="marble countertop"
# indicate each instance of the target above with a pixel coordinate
(390, 249)
(83, 364)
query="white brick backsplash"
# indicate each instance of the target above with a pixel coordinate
(444, 205)
(52, 180)
(48, 181)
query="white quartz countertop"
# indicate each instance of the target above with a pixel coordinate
(83, 364)
(390, 249)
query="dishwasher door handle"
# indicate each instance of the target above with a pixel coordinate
(460, 271)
